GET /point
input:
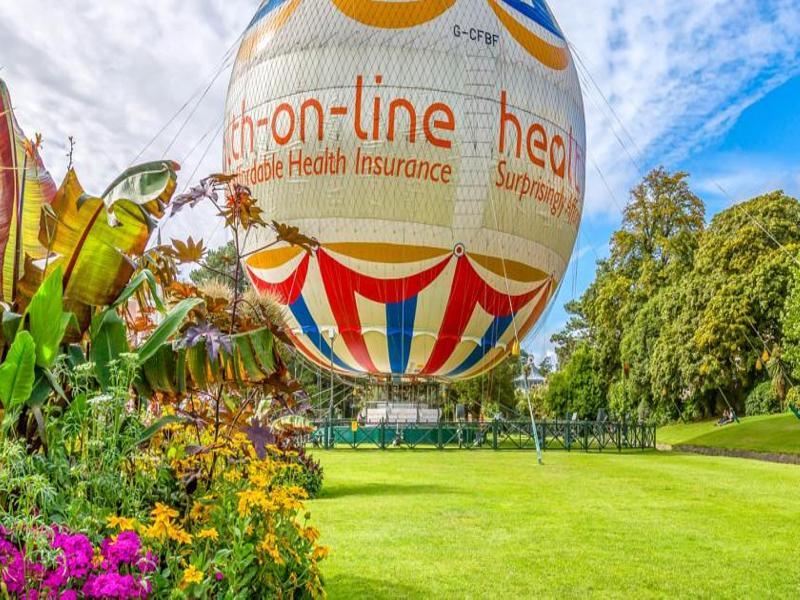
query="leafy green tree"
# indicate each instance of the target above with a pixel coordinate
(575, 332)
(577, 386)
(684, 318)
(220, 265)
(545, 366)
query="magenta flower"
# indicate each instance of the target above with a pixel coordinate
(123, 551)
(114, 585)
(148, 563)
(75, 561)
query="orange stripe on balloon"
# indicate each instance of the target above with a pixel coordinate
(509, 268)
(546, 53)
(537, 312)
(273, 258)
(268, 26)
(387, 253)
(393, 15)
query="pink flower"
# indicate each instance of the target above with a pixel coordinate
(114, 585)
(123, 551)
(148, 563)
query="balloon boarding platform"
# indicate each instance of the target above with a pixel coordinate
(498, 434)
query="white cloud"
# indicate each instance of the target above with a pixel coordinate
(677, 73)
(737, 177)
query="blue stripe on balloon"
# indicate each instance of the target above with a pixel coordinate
(538, 12)
(489, 341)
(400, 332)
(265, 10)
(310, 328)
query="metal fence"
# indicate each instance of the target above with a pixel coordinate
(491, 435)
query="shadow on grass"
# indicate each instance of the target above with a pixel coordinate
(353, 586)
(343, 490)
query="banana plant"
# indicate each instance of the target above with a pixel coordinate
(25, 188)
(94, 239)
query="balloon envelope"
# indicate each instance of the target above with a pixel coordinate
(436, 149)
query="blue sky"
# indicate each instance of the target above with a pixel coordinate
(709, 86)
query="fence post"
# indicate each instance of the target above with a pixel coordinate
(439, 436)
(568, 436)
(494, 434)
(383, 434)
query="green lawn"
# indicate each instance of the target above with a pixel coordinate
(774, 433)
(457, 524)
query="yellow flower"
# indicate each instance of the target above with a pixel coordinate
(198, 512)
(232, 476)
(192, 575)
(179, 535)
(249, 499)
(311, 534)
(97, 559)
(269, 547)
(210, 534)
(162, 511)
(320, 552)
(259, 480)
(159, 530)
(121, 523)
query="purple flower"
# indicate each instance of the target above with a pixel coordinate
(68, 595)
(219, 576)
(114, 585)
(123, 551)
(12, 566)
(75, 561)
(148, 563)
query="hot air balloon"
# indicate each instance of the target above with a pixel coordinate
(435, 149)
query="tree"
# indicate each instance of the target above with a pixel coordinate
(577, 387)
(685, 318)
(220, 265)
(574, 333)
(545, 366)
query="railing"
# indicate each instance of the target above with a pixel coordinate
(492, 435)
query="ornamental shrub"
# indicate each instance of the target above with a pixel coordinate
(246, 530)
(300, 469)
(762, 400)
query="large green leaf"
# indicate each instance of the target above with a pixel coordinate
(47, 320)
(167, 328)
(143, 277)
(25, 188)
(109, 340)
(94, 238)
(17, 372)
(11, 322)
(176, 371)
